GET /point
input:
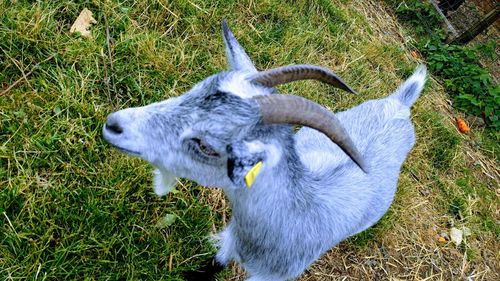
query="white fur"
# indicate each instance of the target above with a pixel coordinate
(317, 160)
(238, 84)
(163, 182)
(395, 109)
(225, 243)
(272, 150)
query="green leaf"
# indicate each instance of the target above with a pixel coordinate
(167, 220)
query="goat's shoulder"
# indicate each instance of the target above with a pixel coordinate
(366, 124)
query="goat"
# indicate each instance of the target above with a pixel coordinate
(293, 195)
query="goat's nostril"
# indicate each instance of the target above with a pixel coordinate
(114, 127)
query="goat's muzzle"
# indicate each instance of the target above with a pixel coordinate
(114, 133)
(113, 125)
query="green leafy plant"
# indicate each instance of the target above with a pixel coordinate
(421, 15)
(471, 86)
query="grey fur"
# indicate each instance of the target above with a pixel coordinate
(308, 196)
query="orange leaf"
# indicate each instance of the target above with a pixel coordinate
(414, 54)
(462, 126)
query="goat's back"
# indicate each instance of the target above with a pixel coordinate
(381, 129)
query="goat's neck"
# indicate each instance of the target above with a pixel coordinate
(288, 180)
(290, 173)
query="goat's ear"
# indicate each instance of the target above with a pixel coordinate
(408, 93)
(243, 167)
(238, 59)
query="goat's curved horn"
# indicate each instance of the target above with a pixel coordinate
(289, 109)
(290, 73)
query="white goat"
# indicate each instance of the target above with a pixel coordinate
(293, 195)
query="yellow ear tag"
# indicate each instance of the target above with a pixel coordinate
(252, 174)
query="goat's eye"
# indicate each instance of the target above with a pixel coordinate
(204, 147)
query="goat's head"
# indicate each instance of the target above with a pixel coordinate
(196, 134)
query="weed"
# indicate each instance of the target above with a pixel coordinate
(470, 85)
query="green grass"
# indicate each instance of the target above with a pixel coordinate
(73, 208)
(445, 142)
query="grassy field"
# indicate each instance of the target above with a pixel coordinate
(71, 207)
